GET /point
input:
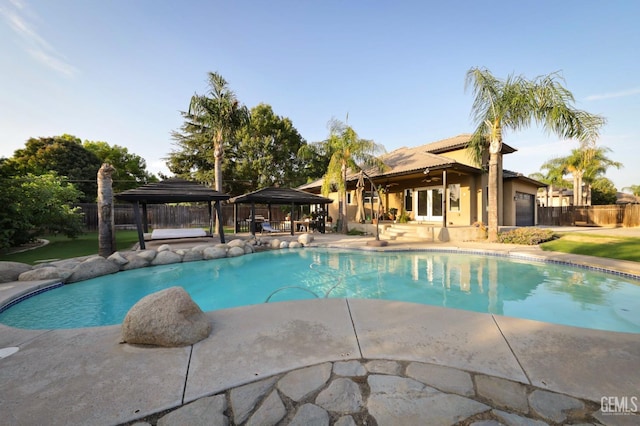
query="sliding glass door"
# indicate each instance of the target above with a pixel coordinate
(428, 204)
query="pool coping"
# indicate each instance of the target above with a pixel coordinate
(85, 375)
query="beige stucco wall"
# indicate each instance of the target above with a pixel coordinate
(512, 186)
(461, 156)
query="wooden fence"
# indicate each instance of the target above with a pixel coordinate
(176, 216)
(611, 215)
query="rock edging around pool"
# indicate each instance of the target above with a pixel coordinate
(84, 268)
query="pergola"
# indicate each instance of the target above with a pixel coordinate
(279, 196)
(173, 190)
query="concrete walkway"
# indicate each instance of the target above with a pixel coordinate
(330, 361)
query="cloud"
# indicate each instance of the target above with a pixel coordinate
(16, 14)
(611, 95)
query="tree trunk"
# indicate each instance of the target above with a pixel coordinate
(343, 209)
(218, 154)
(494, 160)
(106, 224)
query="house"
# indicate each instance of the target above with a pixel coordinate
(439, 184)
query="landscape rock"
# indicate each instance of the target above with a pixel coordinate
(294, 244)
(168, 318)
(163, 247)
(118, 259)
(191, 256)
(275, 243)
(147, 254)
(46, 273)
(236, 243)
(92, 268)
(135, 262)
(235, 252)
(284, 245)
(200, 247)
(305, 239)
(248, 249)
(214, 253)
(166, 258)
(10, 271)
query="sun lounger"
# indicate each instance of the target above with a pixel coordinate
(266, 227)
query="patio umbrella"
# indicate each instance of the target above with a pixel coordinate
(359, 199)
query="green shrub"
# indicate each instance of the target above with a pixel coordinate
(355, 232)
(527, 236)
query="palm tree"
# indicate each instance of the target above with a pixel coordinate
(347, 151)
(220, 115)
(586, 165)
(554, 177)
(513, 104)
(635, 189)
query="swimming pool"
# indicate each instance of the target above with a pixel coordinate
(547, 292)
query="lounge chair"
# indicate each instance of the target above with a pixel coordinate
(266, 227)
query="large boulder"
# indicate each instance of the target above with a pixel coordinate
(236, 243)
(10, 271)
(134, 262)
(46, 273)
(214, 253)
(168, 318)
(92, 268)
(166, 257)
(118, 259)
(305, 239)
(235, 251)
(191, 256)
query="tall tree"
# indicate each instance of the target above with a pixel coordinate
(349, 151)
(514, 104)
(603, 191)
(553, 177)
(64, 155)
(266, 153)
(130, 169)
(219, 114)
(586, 165)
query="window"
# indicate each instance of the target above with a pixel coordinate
(408, 200)
(367, 197)
(454, 197)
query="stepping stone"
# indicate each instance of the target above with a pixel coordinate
(342, 396)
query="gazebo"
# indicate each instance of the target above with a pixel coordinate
(280, 196)
(173, 190)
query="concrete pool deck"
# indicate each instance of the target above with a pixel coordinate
(483, 367)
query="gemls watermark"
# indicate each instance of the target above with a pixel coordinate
(619, 405)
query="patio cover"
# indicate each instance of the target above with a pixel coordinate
(278, 196)
(173, 190)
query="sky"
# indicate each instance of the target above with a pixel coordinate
(121, 71)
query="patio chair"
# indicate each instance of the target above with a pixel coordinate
(266, 226)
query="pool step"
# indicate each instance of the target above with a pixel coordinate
(408, 232)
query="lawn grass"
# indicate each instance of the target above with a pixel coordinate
(622, 248)
(61, 247)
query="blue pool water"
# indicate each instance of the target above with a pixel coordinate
(533, 290)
